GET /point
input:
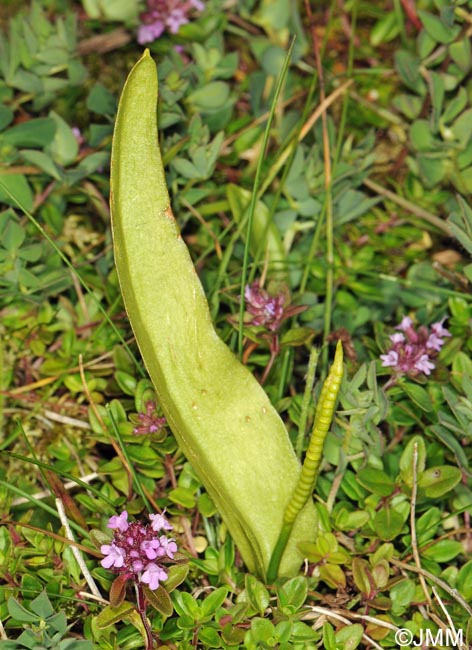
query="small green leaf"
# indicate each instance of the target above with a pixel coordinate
(385, 29)
(6, 116)
(43, 161)
(20, 613)
(297, 336)
(257, 594)
(436, 481)
(206, 506)
(214, 601)
(443, 551)
(159, 599)
(461, 54)
(349, 637)
(176, 574)
(419, 396)
(388, 523)
(407, 457)
(376, 481)
(361, 573)
(293, 593)
(421, 136)
(41, 606)
(402, 595)
(408, 67)
(329, 639)
(64, 147)
(111, 615)
(464, 581)
(461, 127)
(101, 100)
(19, 188)
(209, 637)
(118, 590)
(437, 28)
(37, 132)
(210, 97)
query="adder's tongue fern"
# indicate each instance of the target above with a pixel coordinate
(219, 414)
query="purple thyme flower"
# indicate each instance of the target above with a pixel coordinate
(119, 521)
(265, 309)
(160, 522)
(412, 351)
(114, 556)
(137, 550)
(164, 15)
(153, 574)
(150, 421)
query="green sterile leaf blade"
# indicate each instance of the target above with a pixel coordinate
(219, 414)
(437, 481)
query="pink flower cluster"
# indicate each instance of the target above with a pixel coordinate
(265, 309)
(412, 350)
(164, 15)
(138, 550)
(150, 422)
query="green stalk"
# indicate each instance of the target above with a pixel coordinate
(307, 480)
(254, 195)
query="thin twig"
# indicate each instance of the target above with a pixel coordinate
(330, 614)
(202, 221)
(3, 634)
(96, 412)
(409, 206)
(311, 121)
(452, 592)
(414, 541)
(450, 622)
(77, 554)
(100, 599)
(43, 494)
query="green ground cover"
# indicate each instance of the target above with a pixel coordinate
(348, 129)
